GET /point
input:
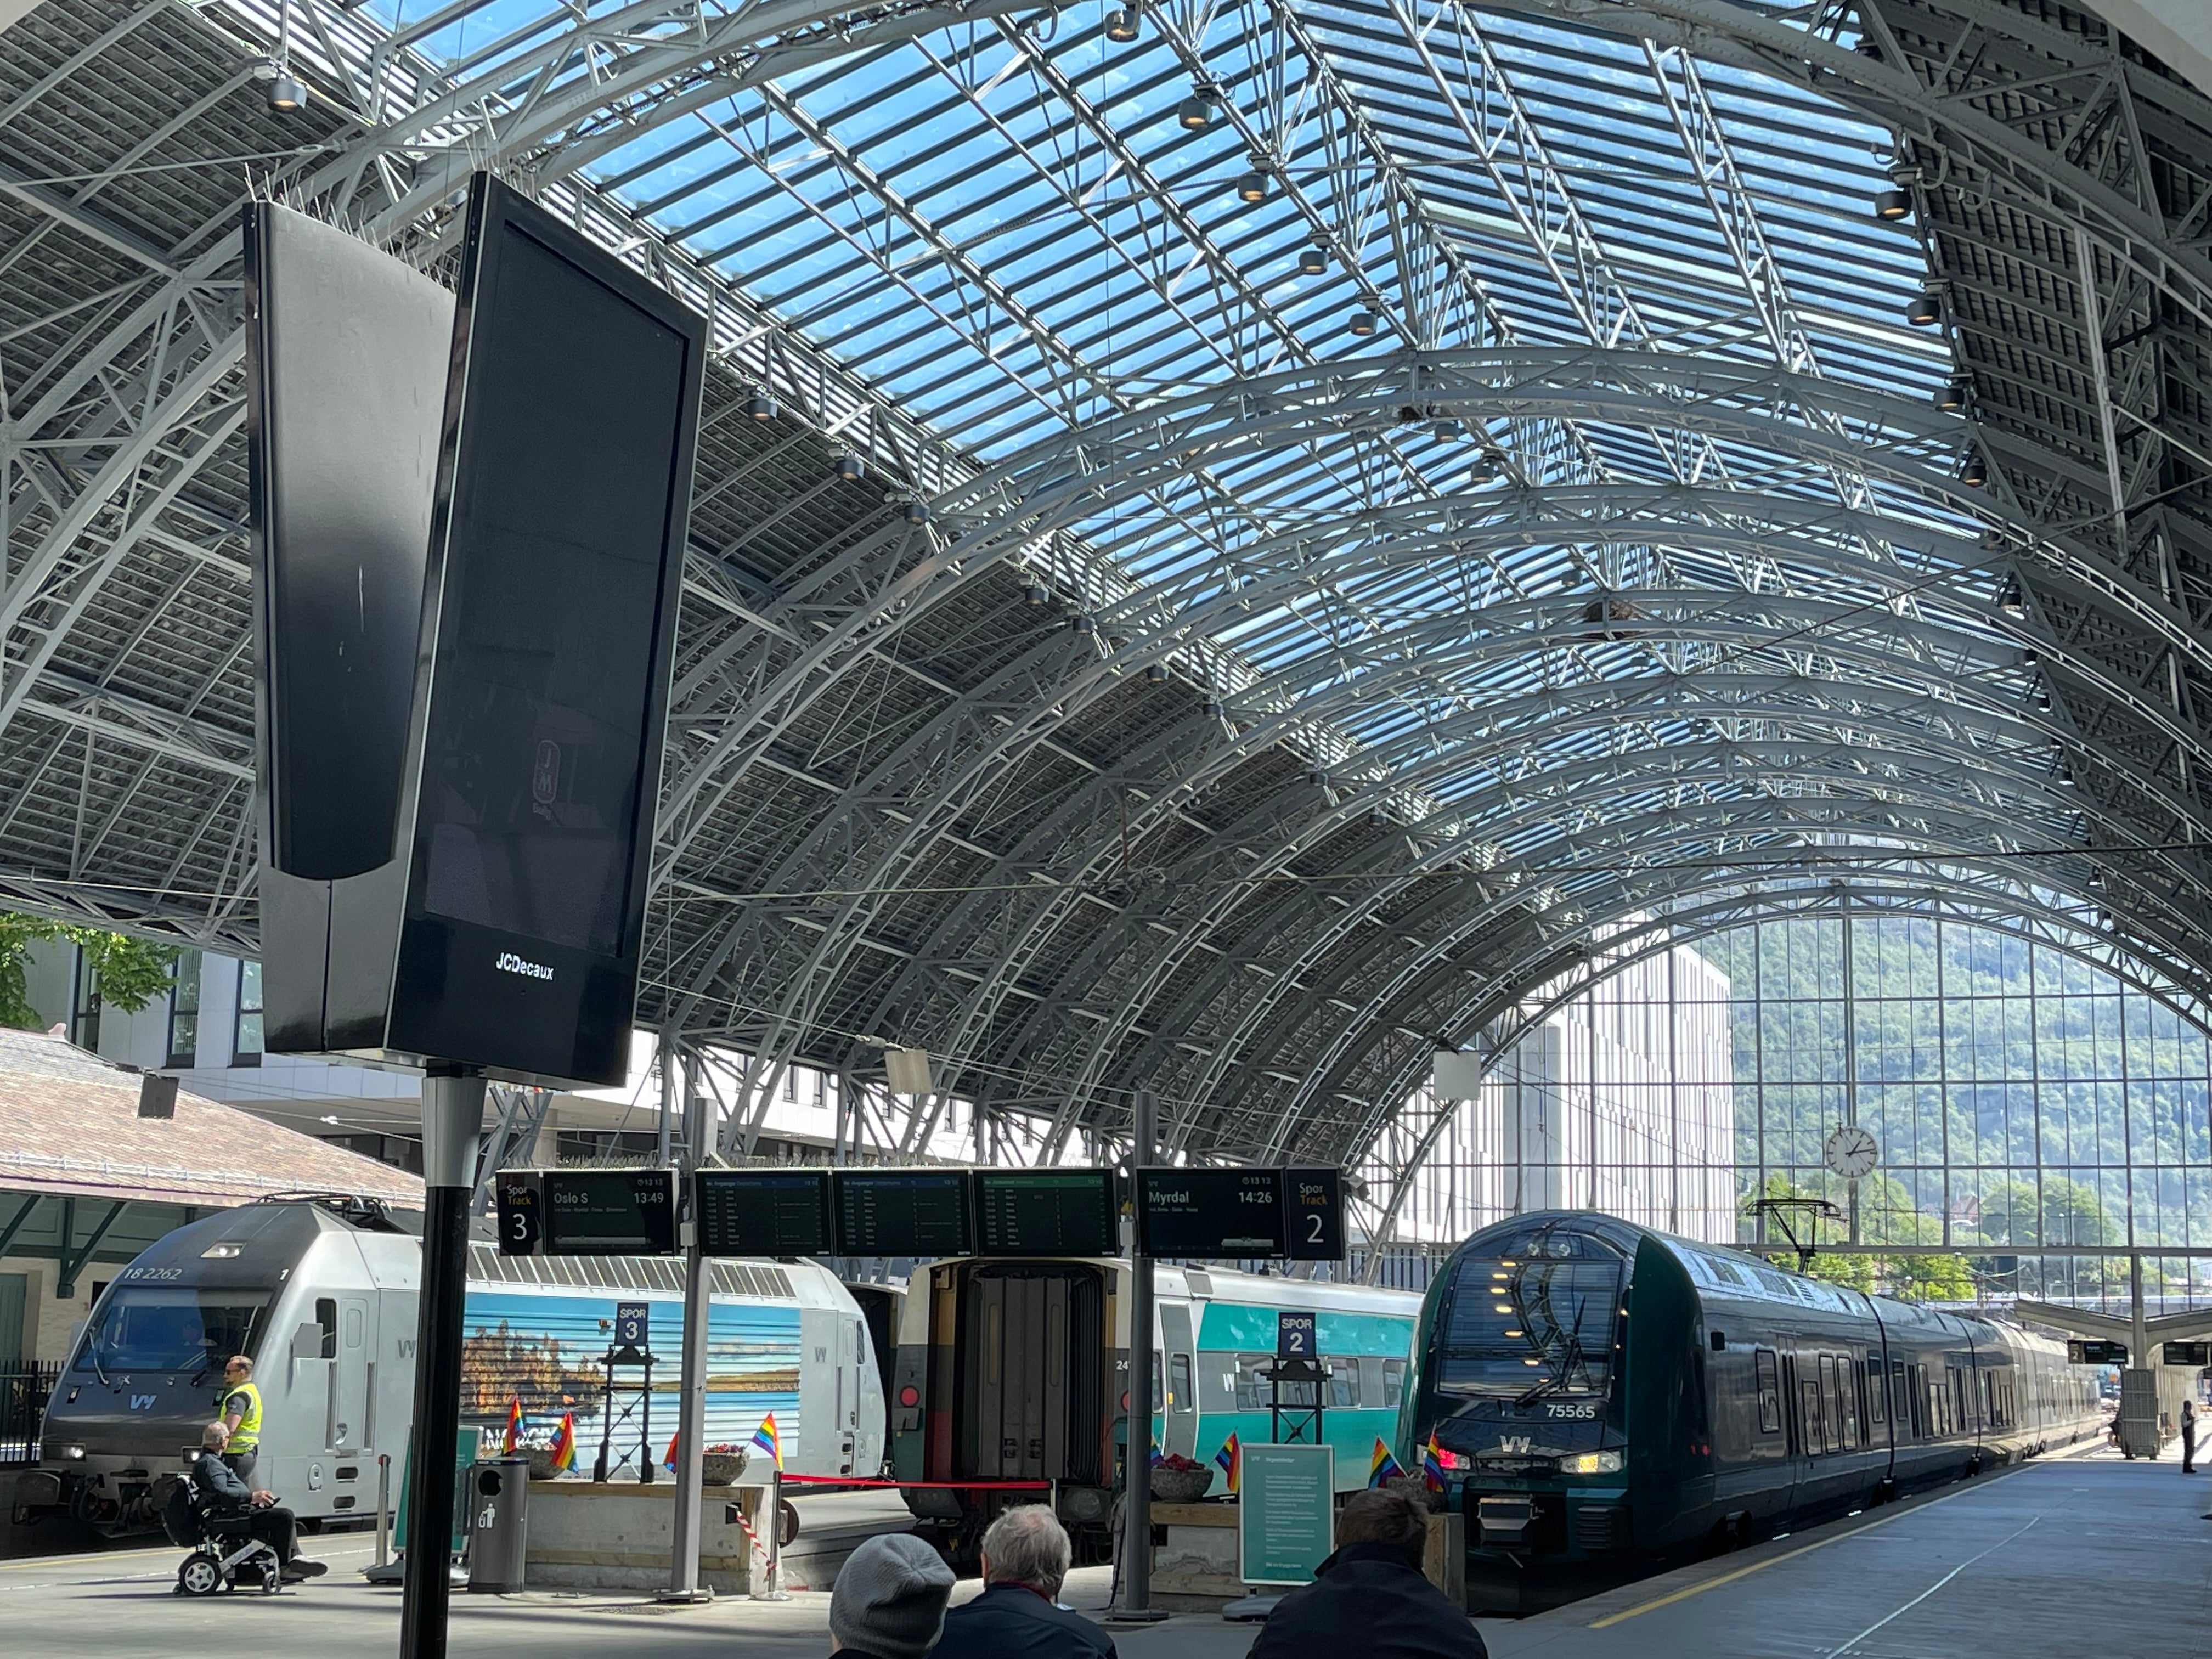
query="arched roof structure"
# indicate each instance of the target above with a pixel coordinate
(1227, 679)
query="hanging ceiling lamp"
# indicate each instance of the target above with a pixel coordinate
(286, 92)
(760, 406)
(1892, 205)
(1312, 262)
(1253, 186)
(1927, 307)
(1363, 322)
(1952, 397)
(850, 467)
(2011, 602)
(1195, 113)
(1122, 26)
(1975, 473)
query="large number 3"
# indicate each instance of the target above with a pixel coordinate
(520, 1220)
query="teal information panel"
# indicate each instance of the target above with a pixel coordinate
(1285, 1508)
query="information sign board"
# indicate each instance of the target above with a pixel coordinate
(2083, 1350)
(516, 1197)
(762, 1211)
(1314, 1221)
(632, 1323)
(608, 1211)
(1045, 1212)
(913, 1212)
(1294, 1336)
(1209, 1214)
(2195, 1354)
(1286, 1506)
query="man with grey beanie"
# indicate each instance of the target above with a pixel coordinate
(888, 1598)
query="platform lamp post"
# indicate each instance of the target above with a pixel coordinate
(692, 1395)
(1137, 1464)
(453, 1122)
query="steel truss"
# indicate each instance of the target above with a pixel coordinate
(1401, 767)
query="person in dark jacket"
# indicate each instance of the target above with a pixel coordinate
(265, 1518)
(1018, 1616)
(1369, 1599)
(888, 1600)
(2189, 1421)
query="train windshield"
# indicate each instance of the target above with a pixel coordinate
(171, 1329)
(1534, 1327)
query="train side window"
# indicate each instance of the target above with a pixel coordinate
(1343, 1384)
(326, 1316)
(1180, 1396)
(1770, 1394)
(1877, 1387)
(1254, 1392)
(1394, 1383)
(353, 1327)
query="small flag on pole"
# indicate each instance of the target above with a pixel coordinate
(1381, 1466)
(1156, 1452)
(767, 1440)
(1432, 1464)
(668, 1457)
(564, 1443)
(1231, 1457)
(514, 1425)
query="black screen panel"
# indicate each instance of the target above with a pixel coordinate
(545, 653)
(556, 552)
(1046, 1212)
(914, 1213)
(607, 1211)
(346, 355)
(762, 1211)
(1219, 1215)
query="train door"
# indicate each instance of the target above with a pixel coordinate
(356, 1342)
(1030, 1352)
(852, 1340)
(1179, 1401)
(312, 1362)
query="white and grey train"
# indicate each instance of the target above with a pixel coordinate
(321, 1294)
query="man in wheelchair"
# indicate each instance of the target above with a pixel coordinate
(232, 1530)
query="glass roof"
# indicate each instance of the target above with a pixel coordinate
(1010, 230)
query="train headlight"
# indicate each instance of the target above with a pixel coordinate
(1596, 1462)
(71, 1454)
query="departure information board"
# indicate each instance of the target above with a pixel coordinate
(608, 1211)
(1045, 1212)
(1209, 1214)
(763, 1212)
(918, 1212)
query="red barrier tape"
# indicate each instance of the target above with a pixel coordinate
(955, 1485)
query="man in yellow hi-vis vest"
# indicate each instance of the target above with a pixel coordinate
(242, 1418)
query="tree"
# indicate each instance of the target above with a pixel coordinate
(128, 973)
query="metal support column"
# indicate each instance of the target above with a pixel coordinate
(1137, 1470)
(691, 1389)
(453, 1119)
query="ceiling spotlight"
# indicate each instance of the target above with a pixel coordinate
(1481, 470)
(916, 512)
(1363, 322)
(1953, 396)
(1253, 186)
(2011, 602)
(1037, 593)
(1926, 309)
(1194, 113)
(1121, 25)
(1312, 262)
(1212, 709)
(1892, 205)
(850, 467)
(760, 406)
(286, 92)
(1155, 674)
(1447, 431)
(1975, 473)
(1086, 624)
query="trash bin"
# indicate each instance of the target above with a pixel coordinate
(499, 1494)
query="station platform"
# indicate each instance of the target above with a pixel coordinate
(2062, 1556)
(2068, 1556)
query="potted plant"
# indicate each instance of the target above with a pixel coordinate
(1180, 1479)
(720, 1465)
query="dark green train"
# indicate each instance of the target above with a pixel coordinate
(1600, 1392)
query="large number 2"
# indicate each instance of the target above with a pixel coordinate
(1313, 1230)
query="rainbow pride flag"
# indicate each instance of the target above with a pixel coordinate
(1232, 1458)
(514, 1425)
(564, 1443)
(767, 1440)
(1381, 1466)
(1432, 1464)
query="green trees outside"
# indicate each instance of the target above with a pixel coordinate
(129, 973)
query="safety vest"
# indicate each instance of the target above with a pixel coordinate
(247, 1436)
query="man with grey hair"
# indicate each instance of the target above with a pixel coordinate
(1018, 1615)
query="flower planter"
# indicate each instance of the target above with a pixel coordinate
(721, 1468)
(1180, 1486)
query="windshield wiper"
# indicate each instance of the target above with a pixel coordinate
(1570, 1358)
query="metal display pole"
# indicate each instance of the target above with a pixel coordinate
(1137, 1465)
(691, 1390)
(453, 1122)
(775, 1591)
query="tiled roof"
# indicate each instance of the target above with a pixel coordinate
(69, 1123)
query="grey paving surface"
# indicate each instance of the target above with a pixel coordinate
(2065, 1559)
